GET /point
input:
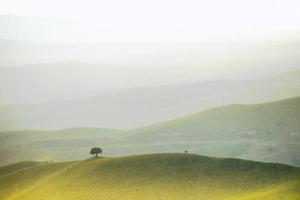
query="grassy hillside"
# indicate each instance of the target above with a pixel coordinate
(263, 132)
(156, 176)
(280, 117)
(267, 131)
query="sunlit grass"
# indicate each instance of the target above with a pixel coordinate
(156, 176)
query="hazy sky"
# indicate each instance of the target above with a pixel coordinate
(186, 20)
(126, 44)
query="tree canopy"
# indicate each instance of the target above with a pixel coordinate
(95, 151)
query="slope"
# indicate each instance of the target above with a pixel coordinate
(279, 117)
(156, 176)
(264, 132)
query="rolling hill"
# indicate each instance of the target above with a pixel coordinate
(278, 117)
(263, 132)
(155, 176)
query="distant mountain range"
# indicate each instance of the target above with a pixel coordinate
(130, 108)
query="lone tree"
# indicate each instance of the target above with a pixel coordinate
(95, 151)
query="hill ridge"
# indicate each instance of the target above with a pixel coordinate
(296, 98)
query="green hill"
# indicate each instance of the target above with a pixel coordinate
(279, 117)
(263, 132)
(155, 176)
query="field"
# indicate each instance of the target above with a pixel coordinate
(152, 176)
